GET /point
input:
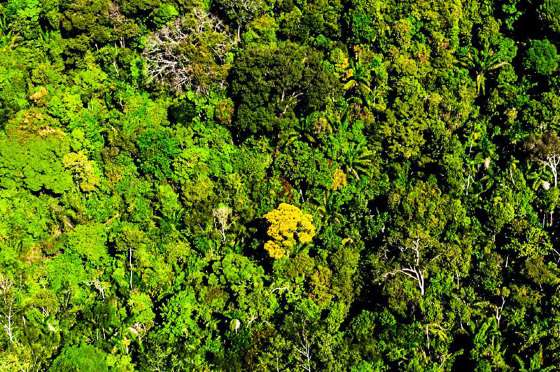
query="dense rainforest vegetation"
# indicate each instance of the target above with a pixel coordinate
(279, 185)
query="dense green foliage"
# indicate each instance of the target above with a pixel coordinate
(291, 185)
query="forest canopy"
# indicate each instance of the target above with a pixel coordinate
(287, 185)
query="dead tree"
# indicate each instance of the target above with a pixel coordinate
(221, 219)
(190, 53)
(499, 310)
(413, 270)
(552, 160)
(546, 149)
(6, 286)
(304, 351)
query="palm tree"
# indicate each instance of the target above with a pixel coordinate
(482, 62)
(356, 83)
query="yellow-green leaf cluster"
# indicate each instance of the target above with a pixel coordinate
(83, 168)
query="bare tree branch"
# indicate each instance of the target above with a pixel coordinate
(188, 53)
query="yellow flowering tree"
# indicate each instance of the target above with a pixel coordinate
(288, 227)
(339, 179)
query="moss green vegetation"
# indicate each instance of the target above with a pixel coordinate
(279, 185)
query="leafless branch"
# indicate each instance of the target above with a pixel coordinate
(169, 52)
(413, 271)
(304, 350)
(8, 313)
